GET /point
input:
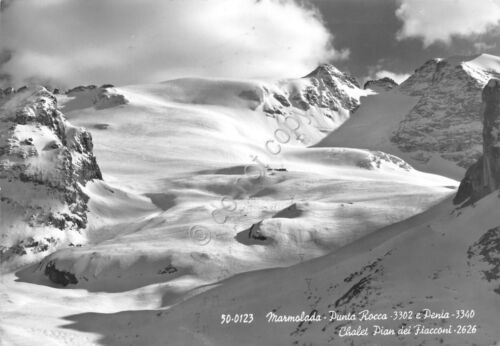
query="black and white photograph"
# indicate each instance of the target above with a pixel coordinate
(249, 172)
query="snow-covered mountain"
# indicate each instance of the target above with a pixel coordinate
(443, 260)
(432, 120)
(44, 162)
(212, 183)
(428, 280)
(445, 119)
(192, 139)
(53, 161)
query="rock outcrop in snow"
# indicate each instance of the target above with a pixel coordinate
(82, 97)
(486, 251)
(483, 177)
(44, 162)
(445, 121)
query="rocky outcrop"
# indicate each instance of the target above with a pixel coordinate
(491, 135)
(444, 120)
(383, 84)
(81, 88)
(6, 92)
(483, 177)
(105, 96)
(44, 162)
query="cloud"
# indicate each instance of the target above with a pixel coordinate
(438, 21)
(397, 77)
(131, 41)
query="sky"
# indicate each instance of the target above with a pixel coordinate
(74, 42)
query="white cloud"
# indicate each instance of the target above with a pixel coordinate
(132, 41)
(397, 77)
(440, 20)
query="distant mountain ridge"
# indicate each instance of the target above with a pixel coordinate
(432, 120)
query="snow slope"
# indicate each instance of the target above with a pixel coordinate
(339, 194)
(442, 260)
(191, 197)
(373, 126)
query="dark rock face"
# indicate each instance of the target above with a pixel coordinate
(44, 162)
(471, 187)
(81, 88)
(491, 135)
(91, 96)
(384, 84)
(483, 177)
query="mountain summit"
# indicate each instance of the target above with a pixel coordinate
(337, 82)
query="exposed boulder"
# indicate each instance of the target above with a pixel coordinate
(483, 177)
(60, 277)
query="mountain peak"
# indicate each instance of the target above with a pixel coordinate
(328, 72)
(324, 68)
